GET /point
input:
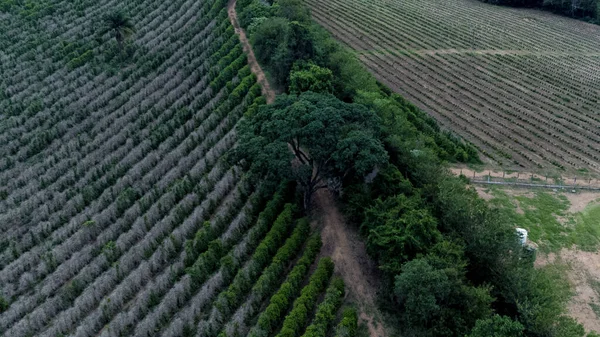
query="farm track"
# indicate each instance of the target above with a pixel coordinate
(495, 87)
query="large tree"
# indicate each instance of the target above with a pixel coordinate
(120, 25)
(314, 139)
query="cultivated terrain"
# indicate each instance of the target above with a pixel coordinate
(120, 215)
(523, 85)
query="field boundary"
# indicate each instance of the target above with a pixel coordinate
(479, 52)
(523, 184)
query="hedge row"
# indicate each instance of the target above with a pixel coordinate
(209, 260)
(326, 311)
(230, 299)
(271, 276)
(270, 318)
(296, 320)
(348, 324)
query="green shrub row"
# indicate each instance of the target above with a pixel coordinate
(326, 311)
(209, 260)
(297, 318)
(229, 71)
(269, 319)
(348, 324)
(244, 87)
(229, 299)
(270, 276)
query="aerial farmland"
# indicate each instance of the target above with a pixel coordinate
(523, 85)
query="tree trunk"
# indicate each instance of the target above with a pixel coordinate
(307, 199)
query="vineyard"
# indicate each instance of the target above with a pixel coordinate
(120, 215)
(522, 85)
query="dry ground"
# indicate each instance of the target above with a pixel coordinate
(583, 267)
(348, 252)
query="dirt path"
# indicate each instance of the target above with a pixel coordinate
(254, 66)
(584, 275)
(348, 252)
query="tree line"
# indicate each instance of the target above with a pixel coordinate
(580, 9)
(454, 264)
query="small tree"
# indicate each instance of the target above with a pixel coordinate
(310, 77)
(497, 326)
(120, 25)
(314, 139)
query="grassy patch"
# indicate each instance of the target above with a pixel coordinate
(596, 309)
(546, 217)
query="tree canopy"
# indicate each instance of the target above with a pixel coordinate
(120, 25)
(315, 139)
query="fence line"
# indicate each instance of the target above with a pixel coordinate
(523, 184)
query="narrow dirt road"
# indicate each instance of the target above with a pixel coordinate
(348, 253)
(254, 66)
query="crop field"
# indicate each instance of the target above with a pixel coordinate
(119, 215)
(522, 85)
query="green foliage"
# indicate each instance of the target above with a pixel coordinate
(3, 304)
(297, 318)
(119, 24)
(125, 199)
(348, 324)
(271, 275)
(326, 311)
(279, 42)
(230, 299)
(111, 251)
(435, 296)
(270, 318)
(293, 10)
(270, 44)
(497, 326)
(549, 224)
(326, 137)
(404, 120)
(349, 75)
(310, 77)
(397, 230)
(539, 296)
(252, 13)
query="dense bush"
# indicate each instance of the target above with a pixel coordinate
(270, 318)
(348, 324)
(297, 318)
(326, 310)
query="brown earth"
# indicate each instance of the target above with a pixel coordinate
(584, 275)
(583, 267)
(266, 90)
(348, 252)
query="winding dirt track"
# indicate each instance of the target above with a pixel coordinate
(352, 263)
(254, 66)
